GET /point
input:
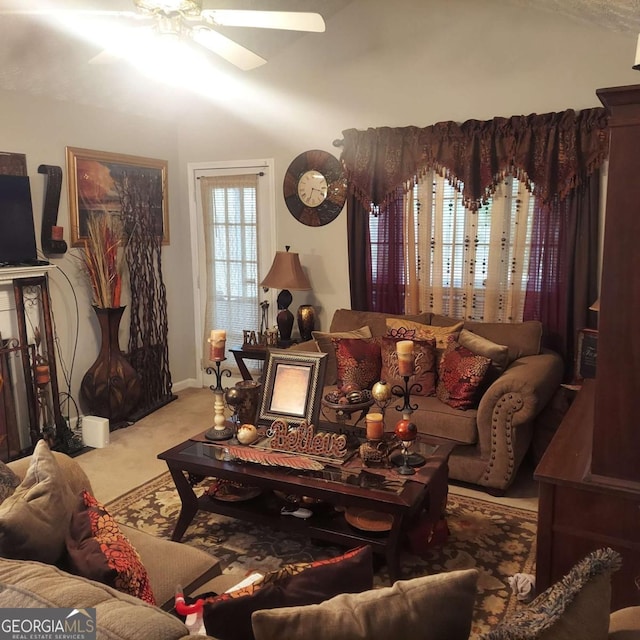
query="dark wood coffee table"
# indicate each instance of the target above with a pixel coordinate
(349, 485)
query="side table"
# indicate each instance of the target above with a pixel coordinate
(247, 353)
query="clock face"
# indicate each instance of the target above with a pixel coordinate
(315, 188)
(312, 188)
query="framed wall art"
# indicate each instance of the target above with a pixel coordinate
(293, 383)
(117, 185)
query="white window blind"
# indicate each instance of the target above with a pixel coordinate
(231, 239)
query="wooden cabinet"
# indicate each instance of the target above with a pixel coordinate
(590, 474)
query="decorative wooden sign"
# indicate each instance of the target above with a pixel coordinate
(304, 439)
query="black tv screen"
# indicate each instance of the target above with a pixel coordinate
(17, 230)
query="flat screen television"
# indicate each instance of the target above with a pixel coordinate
(17, 230)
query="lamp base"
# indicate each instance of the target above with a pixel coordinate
(284, 320)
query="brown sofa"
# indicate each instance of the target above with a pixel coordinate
(493, 438)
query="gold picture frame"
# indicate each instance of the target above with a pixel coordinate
(98, 181)
(293, 382)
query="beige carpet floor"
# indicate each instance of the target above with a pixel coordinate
(130, 458)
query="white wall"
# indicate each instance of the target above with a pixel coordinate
(379, 63)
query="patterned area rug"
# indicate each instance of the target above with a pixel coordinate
(499, 541)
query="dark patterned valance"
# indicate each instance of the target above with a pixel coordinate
(554, 151)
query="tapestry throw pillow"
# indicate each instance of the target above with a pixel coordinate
(98, 550)
(228, 616)
(358, 361)
(497, 353)
(9, 481)
(407, 330)
(578, 606)
(424, 354)
(424, 608)
(35, 517)
(460, 376)
(324, 344)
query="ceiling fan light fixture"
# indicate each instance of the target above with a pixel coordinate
(169, 7)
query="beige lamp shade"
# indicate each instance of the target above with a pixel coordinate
(286, 273)
(595, 306)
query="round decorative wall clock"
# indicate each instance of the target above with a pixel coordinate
(315, 188)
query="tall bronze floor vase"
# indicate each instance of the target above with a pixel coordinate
(111, 387)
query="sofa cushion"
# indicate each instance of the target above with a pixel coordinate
(522, 338)
(35, 518)
(98, 550)
(348, 320)
(425, 608)
(118, 616)
(171, 563)
(228, 616)
(460, 376)
(407, 330)
(358, 361)
(8, 482)
(435, 418)
(424, 353)
(575, 607)
(324, 344)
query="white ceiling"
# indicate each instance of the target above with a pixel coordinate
(39, 60)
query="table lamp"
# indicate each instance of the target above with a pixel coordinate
(286, 274)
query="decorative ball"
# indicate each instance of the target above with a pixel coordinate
(381, 391)
(354, 397)
(350, 386)
(233, 396)
(247, 434)
(406, 430)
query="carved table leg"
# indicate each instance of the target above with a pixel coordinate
(189, 502)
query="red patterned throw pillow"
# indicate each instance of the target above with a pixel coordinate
(358, 361)
(460, 376)
(98, 550)
(424, 354)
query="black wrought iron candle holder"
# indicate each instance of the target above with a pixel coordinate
(405, 394)
(407, 459)
(218, 373)
(220, 430)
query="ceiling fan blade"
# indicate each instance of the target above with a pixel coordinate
(228, 49)
(290, 20)
(73, 13)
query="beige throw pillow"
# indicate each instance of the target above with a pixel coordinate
(425, 608)
(324, 344)
(497, 353)
(35, 518)
(408, 330)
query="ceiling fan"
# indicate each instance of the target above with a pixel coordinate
(187, 19)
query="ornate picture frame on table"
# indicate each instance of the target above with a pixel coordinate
(100, 182)
(293, 382)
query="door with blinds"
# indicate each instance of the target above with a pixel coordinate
(233, 228)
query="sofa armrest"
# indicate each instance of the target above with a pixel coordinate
(507, 411)
(534, 378)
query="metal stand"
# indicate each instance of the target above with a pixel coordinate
(405, 394)
(220, 430)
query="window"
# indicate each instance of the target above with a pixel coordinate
(462, 263)
(235, 216)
